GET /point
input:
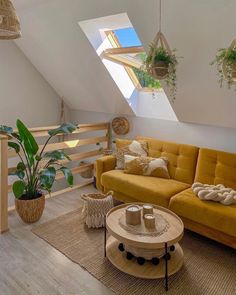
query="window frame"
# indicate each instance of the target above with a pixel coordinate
(113, 54)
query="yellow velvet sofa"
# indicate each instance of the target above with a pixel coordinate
(187, 164)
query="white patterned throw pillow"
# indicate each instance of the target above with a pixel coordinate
(135, 148)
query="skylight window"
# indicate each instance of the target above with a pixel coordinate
(126, 49)
(127, 37)
(122, 53)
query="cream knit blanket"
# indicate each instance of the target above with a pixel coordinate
(216, 193)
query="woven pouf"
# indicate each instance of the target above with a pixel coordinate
(95, 208)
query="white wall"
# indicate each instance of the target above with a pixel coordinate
(201, 135)
(24, 93)
(58, 48)
(154, 105)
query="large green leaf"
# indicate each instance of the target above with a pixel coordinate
(68, 175)
(65, 128)
(29, 142)
(16, 135)
(21, 166)
(20, 170)
(18, 188)
(5, 129)
(20, 174)
(14, 146)
(47, 177)
(57, 155)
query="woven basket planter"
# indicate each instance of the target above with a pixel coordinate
(96, 206)
(224, 66)
(30, 210)
(9, 22)
(87, 173)
(160, 70)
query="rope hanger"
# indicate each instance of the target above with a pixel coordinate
(160, 15)
(160, 38)
(155, 69)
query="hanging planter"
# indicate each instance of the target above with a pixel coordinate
(161, 61)
(159, 58)
(225, 61)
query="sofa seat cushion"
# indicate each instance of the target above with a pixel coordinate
(209, 213)
(143, 188)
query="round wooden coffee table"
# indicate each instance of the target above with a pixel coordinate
(169, 254)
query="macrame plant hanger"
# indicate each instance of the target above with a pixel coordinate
(159, 71)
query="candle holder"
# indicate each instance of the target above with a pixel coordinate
(133, 215)
(149, 221)
(147, 209)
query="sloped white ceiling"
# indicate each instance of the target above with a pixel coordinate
(56, 45)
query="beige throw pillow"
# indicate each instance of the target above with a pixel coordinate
(135, 148)
(147, 166)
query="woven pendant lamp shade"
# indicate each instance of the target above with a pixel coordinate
(9, 22)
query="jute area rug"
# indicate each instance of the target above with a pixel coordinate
(209, 268)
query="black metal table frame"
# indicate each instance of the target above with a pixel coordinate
(166, 256)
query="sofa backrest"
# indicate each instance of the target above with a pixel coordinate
(216, 167)
(182, 158)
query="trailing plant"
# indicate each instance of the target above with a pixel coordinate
(225, 62)
(160, 54)
(146, 80)
(37, 169)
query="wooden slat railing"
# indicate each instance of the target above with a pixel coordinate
(72, 144)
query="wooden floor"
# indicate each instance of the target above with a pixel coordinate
(28, 265)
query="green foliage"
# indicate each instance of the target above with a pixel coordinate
(159, 54)
(14, 146)
(146, 80)
(30, 145)
(47, 178)
(65, 128)
(68, 175)
(5, 129)
(56, 155)
(18, 188)
(226, 57)
(34, 174)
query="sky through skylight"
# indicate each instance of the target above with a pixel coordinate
(127, 37)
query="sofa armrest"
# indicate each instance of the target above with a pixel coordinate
(104, 164)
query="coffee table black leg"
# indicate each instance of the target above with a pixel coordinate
(105, 238)
(166, 267)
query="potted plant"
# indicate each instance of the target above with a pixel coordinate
(225, 61)
(162, 66)
(36, 170)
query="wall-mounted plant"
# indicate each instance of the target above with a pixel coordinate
(161, 64)
(225, 62)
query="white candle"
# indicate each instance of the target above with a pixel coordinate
(133, 208)
(147, 209)
(149, 216)
(133, 215)
(149, 220)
